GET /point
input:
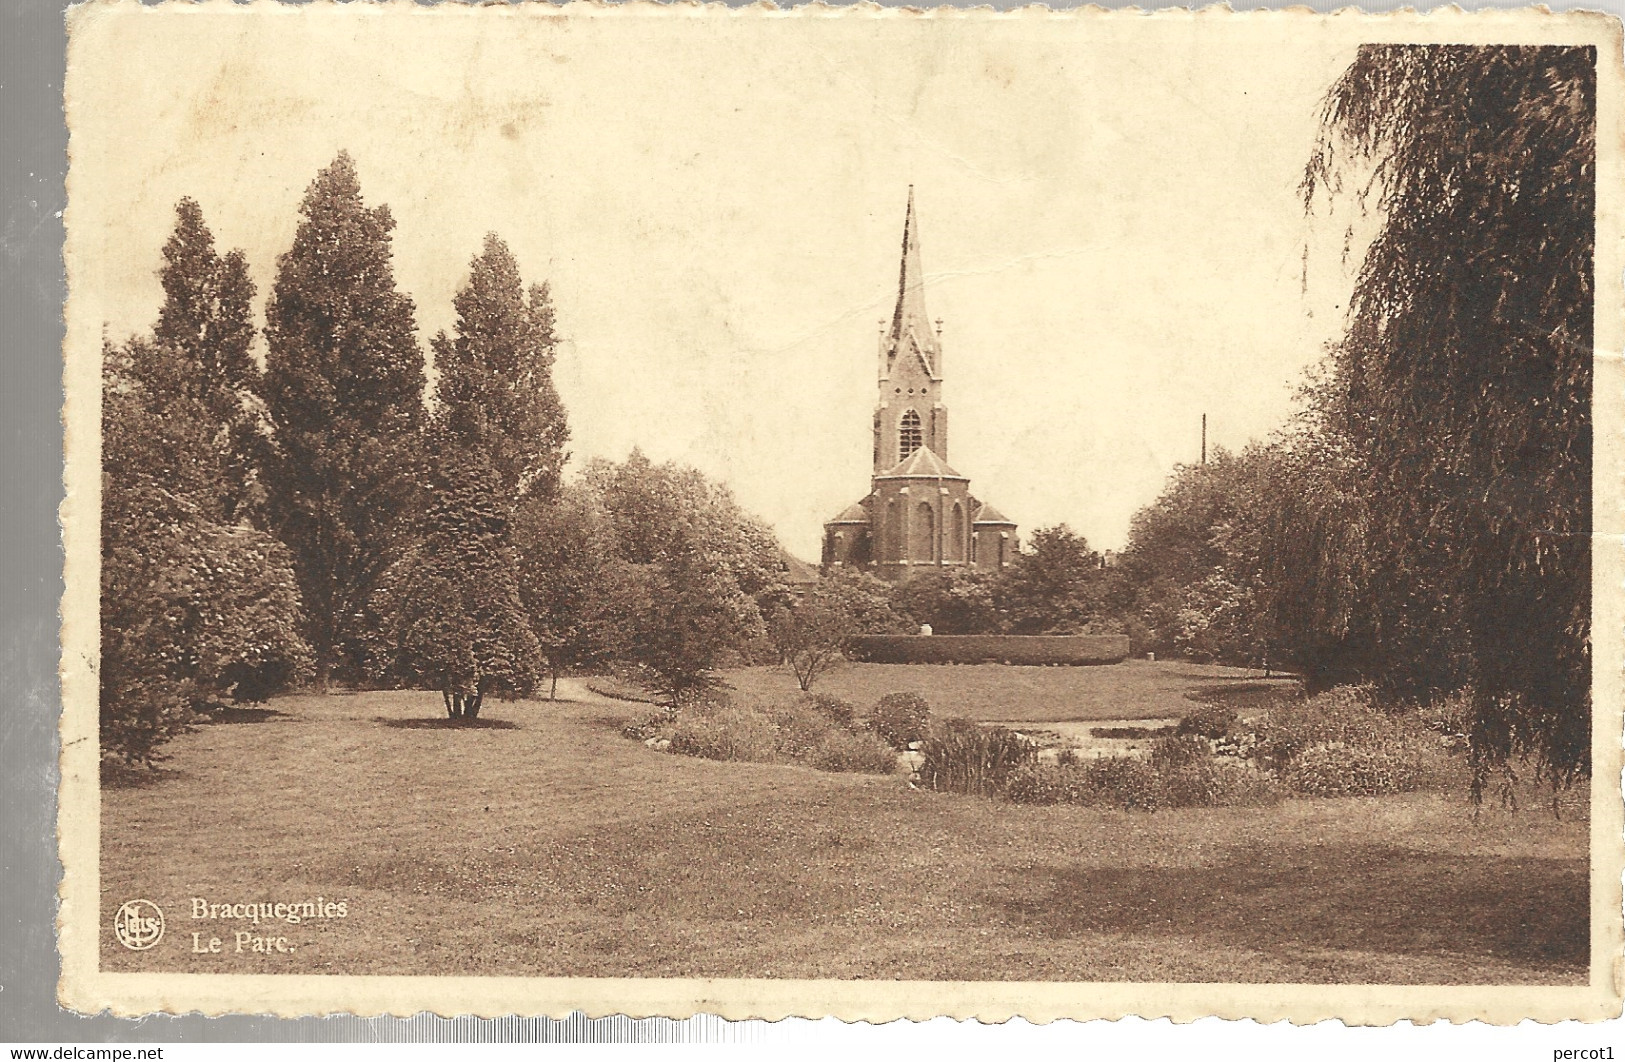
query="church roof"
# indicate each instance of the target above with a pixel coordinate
(852, 514)
(923, 464)
(989, 515)
(910, 327)
(796, 570)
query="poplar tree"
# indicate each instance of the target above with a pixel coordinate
(207, 322)
(451, 608)
(343, 388)
(494, 384)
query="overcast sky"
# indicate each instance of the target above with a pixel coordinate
(1109, 217)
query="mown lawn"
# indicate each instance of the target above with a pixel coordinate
(1134, 689)
(544, 843)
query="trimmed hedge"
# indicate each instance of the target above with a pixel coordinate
(1031, 649)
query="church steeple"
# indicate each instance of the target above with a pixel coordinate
(919, 514)
(911, 331)
(910, 414)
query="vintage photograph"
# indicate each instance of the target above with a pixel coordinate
(520, 557)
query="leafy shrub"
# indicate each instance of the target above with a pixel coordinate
(1346, 716)
(1110, 782)
(1338, 769)
(192, 612)
(722, 730)
(842, 712)
(1176, 779)
(1190, 785)
(789, 731)
(1209, 721)
(1045, 783)
(1206, 784)
(1123, 782)
(1173, 753)
(843, 750)
(800, 728)
(901, 718)
(1242, 786)
(1343, 743)
(959, 756)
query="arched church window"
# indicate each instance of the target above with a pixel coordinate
(925, 535)
(909, 435)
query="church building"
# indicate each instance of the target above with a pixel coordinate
(919, 514)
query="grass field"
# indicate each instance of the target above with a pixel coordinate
(1134, 689)
(544, 843)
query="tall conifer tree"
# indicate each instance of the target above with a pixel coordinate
(495, 376)
(344, 390)
(207, 322)
(450, 610)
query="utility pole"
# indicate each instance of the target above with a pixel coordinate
(1204, 438)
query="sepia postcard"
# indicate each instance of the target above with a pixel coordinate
(519, 558)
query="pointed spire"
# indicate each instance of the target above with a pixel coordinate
(910, 325)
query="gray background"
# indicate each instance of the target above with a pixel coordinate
(33, 144)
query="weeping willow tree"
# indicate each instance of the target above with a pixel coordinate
(1463, 384)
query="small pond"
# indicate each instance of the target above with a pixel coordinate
(1094, 737)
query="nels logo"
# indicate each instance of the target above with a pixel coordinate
(138, 925)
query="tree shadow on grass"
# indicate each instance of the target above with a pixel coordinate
(445, 723)
(1528, 912)
(236, 714)
(118, 775)
(617, 723)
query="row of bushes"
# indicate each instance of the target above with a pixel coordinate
(960, 756)
(1180, 773)
(815, 730)
(1339, 743)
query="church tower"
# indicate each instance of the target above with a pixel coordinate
(910, 413)
(919, 514)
